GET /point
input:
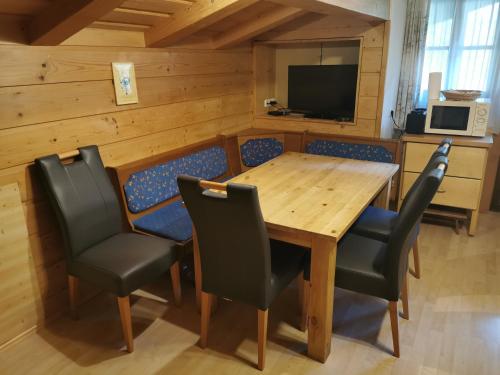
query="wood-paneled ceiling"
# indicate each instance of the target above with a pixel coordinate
(224, 23)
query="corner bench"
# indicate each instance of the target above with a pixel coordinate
(149, 190)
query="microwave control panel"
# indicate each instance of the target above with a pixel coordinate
(481, 119)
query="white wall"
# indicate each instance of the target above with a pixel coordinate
(336, 53)
(396, 38)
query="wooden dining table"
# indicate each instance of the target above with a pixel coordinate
(312, 201)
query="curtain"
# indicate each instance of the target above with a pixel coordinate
(463, 43)
(412, 59)
(494, 122)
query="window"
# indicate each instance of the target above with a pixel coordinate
(462, 43)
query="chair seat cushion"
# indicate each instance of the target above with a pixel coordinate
(376, 223)
(124, 262)
(171, 221)
(287, 261)
(360, 265)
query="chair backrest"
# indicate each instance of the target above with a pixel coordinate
(438, 157)
(400, 240)
(445, 146)
(83, 198)
(233, 241)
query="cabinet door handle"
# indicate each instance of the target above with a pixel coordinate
(441, 191)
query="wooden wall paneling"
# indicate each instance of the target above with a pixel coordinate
(70, 100)
(264, 60)
(23, 144)
(29, 291)
(17, 313)
(369, 84)
(371, 61)
(367, 107)
(380, 99)
(20, 65)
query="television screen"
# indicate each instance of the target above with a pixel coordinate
(327, 91)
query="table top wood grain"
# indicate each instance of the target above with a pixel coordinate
(318, 195)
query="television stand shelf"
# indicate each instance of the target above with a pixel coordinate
(297, 122)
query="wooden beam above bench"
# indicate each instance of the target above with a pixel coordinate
(257, 26)
(200, 15)
(63, 19)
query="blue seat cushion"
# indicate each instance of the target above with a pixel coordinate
(257, 151)
(350, 150)
(147, 188)
(172, 221)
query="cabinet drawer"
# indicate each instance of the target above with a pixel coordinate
(453, 192)
(463, 161)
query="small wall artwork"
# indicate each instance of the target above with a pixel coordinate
(125, 84)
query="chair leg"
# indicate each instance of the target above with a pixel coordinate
(416, 259)
(124, 307)
(175, 274)
(304, 294)
(262, 337)
(404, 298)
(393, 312)
(73, 283)
(206, 301)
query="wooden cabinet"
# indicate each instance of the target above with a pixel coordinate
(463, 183)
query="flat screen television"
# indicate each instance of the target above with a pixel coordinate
(323, 91)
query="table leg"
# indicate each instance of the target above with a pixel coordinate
(323, 258)
(384, 197)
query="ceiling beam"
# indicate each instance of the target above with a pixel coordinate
(254, 27)
(200, 15)
(64, 18)
(373, 8)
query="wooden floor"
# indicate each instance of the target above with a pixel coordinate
(454, 326)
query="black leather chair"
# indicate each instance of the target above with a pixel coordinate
(238, 260)
(96, 248)
(378, 223)
(366, 265)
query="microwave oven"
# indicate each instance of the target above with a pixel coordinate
(457, 117)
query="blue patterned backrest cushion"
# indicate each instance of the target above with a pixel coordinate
(257, 151)
(350, 150)
(154, 185)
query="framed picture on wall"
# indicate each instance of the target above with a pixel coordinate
(125, 84)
